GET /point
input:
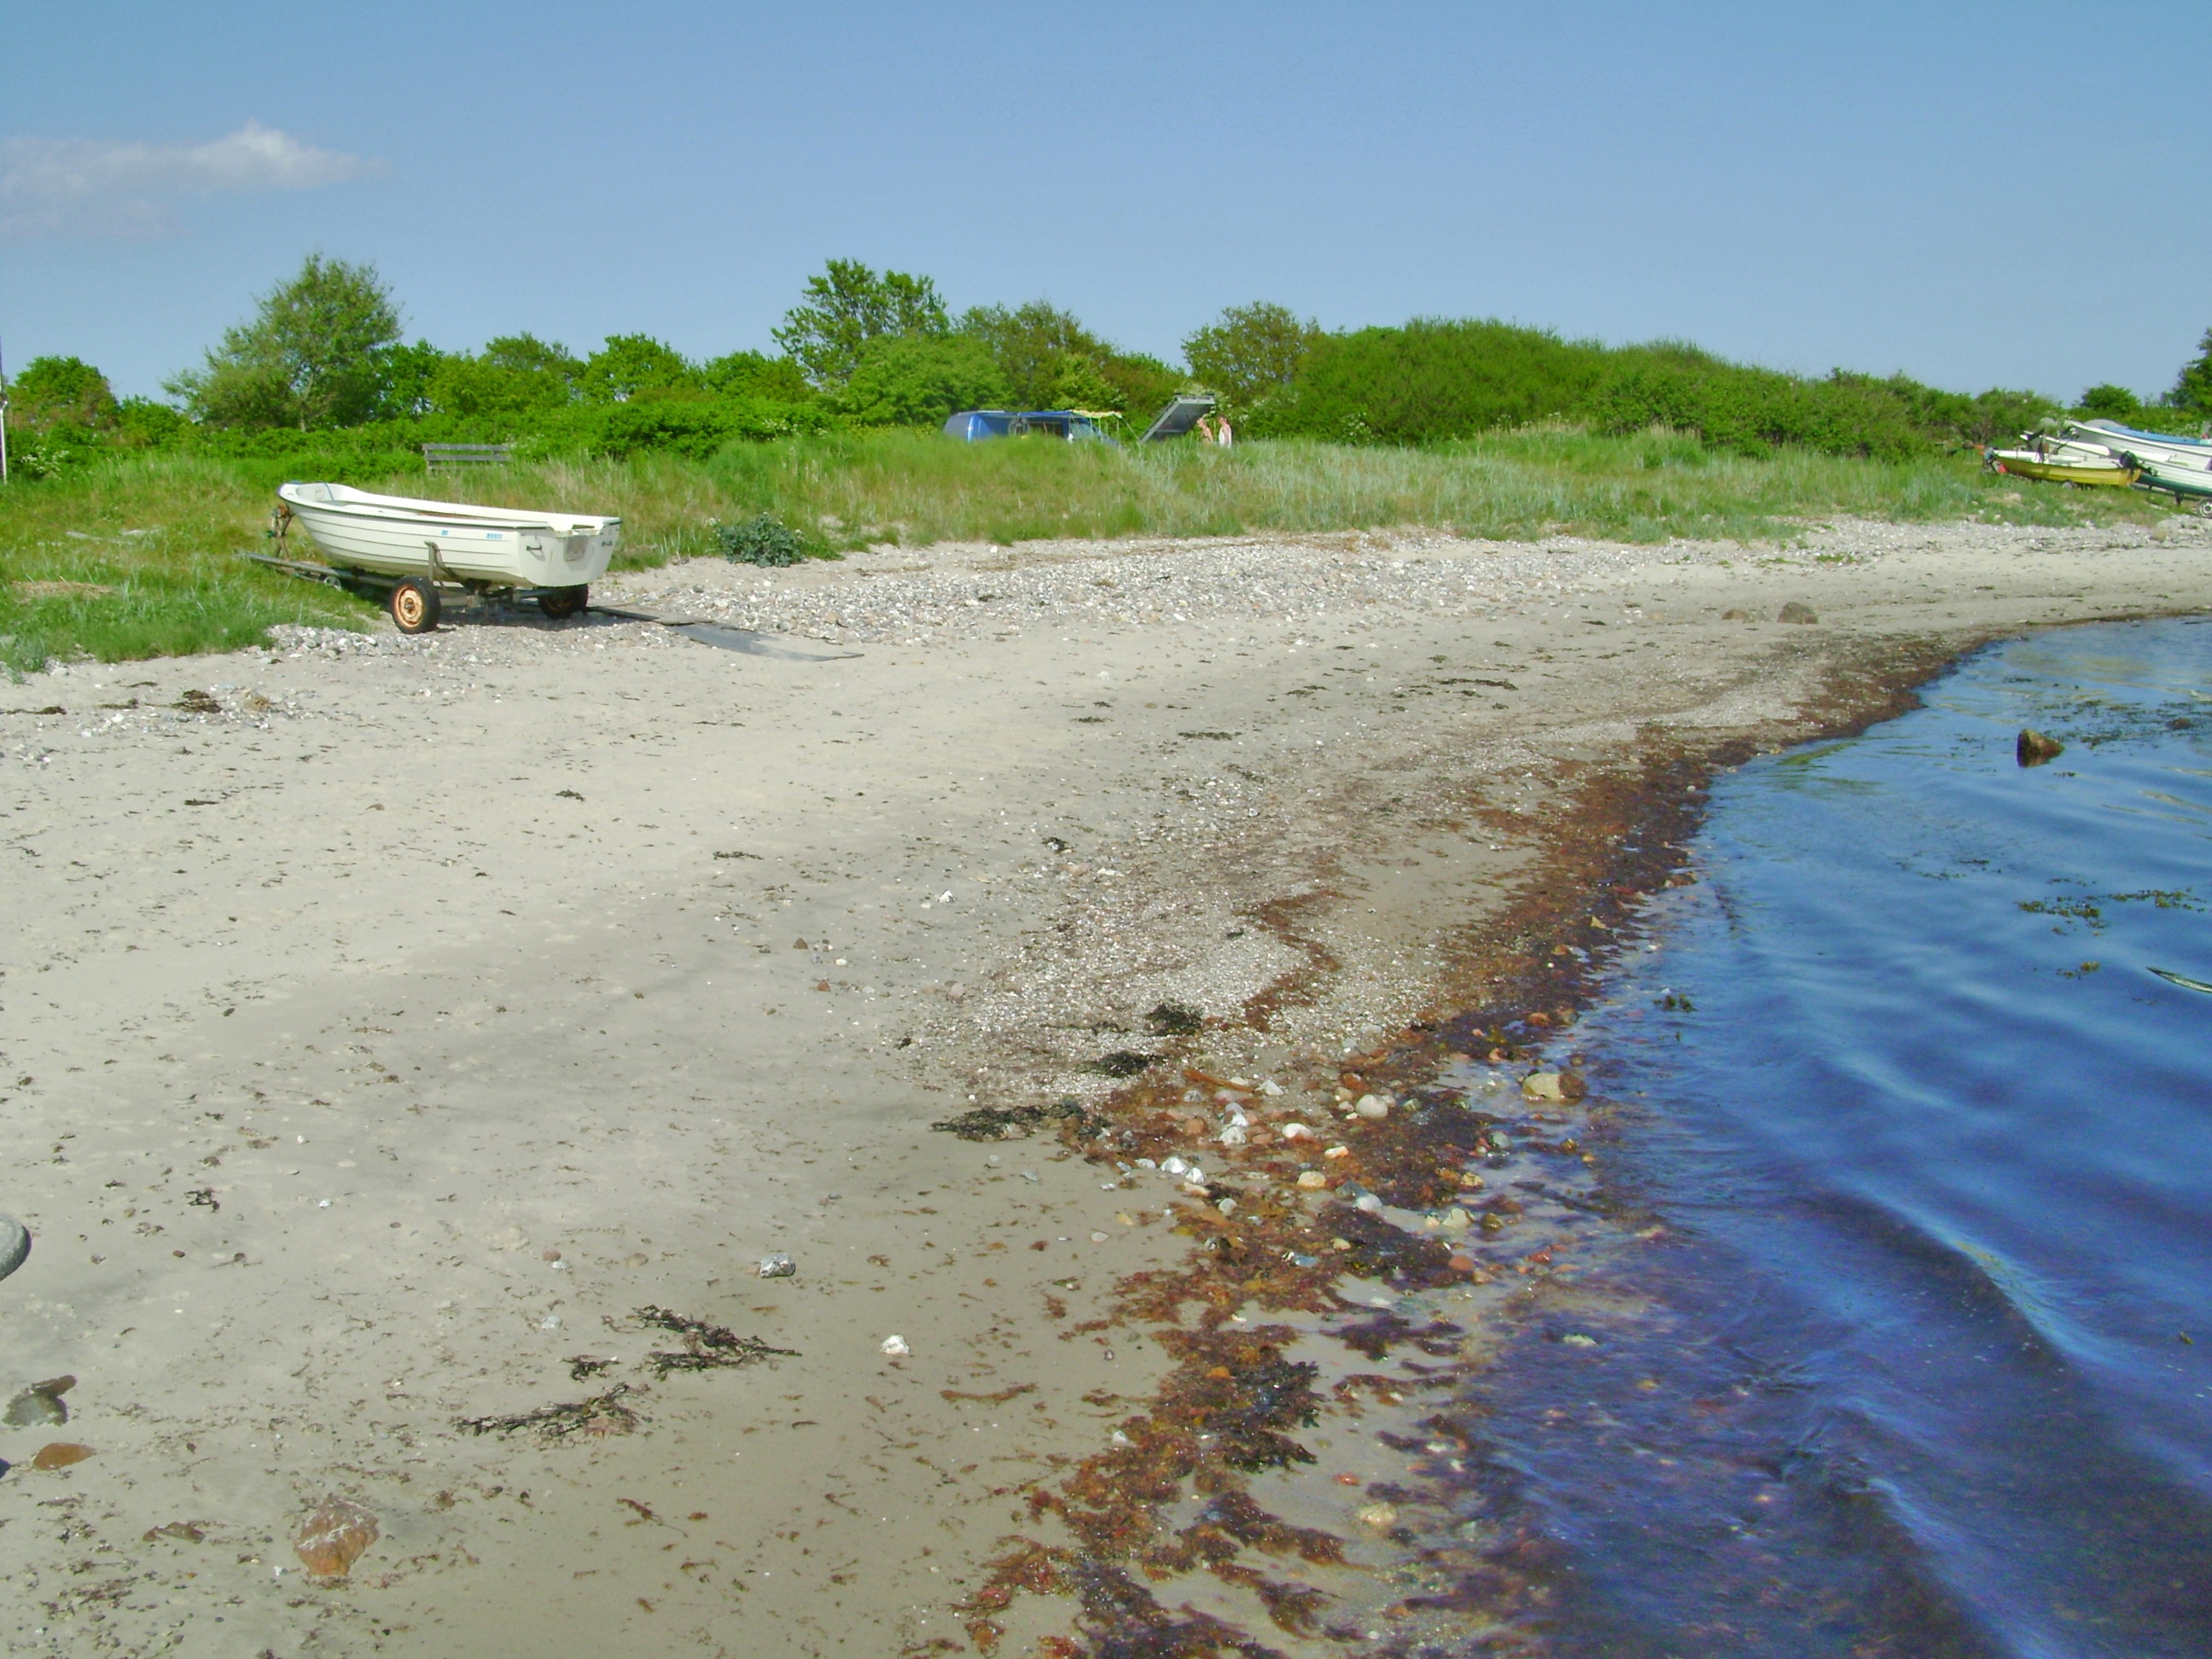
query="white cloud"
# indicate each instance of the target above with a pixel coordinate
(95, 187)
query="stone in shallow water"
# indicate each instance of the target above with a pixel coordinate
(15, 1244)
(329, 1541)
(60, 1455)
(2032, 748)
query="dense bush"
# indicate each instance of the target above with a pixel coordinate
(1432, 381)
(918, 381)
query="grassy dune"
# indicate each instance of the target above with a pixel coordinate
(133, 558)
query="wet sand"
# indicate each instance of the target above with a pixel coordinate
(378, 1043)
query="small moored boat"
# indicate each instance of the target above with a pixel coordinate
(2070, 463)
(2189, 481)
(412, 546)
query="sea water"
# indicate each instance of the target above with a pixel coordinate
(1912, 1352)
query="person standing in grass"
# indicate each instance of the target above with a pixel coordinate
(1205, 429)
(1221, 434)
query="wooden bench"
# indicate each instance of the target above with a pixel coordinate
(441, 457)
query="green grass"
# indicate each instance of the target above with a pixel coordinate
(134, 558)
(175, 586)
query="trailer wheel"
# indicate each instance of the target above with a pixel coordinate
(414, 606)
(559, 603)
(2204, 508)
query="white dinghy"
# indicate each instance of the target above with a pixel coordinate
(409, 547)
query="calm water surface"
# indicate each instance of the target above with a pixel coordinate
(1920, 1360)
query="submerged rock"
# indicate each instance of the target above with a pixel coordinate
(333, 1538)
(2033, 749)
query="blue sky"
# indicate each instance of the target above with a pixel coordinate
(1976, 195)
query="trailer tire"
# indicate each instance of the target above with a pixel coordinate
(561, 603)
(414, 606)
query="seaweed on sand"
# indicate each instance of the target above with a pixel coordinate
(601, 1414)
(705, 1347)
(1002, 1122)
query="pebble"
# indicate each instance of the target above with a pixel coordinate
(15, 1244)
(59, 1455)
(1798, 611)
(1372, 1106)
(778, 1266)
(40, 1405)
(894, 1347)
(1312, 1180)
(1554, 1086)
(1381, 1516)
(1295, 1130)
(1369, 1204)
(333, 1538)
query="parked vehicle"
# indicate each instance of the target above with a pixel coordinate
(403, 549)
(1070, 425)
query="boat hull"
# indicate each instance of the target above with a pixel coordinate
(450, 541)
(2028, 465)
(2176, 480)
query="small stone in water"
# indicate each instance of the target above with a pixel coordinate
(894, 1347)
(1797, 611)
(1381, 1516)
(1554, 1086)
(1295, 1130)
(2033, 749)
(334, 1537)
(1369, 1203)
(1372, 1106)
(36, 1408)
(1312, 1180)
(15, 1244)
(778, 1266)
(59, 1455)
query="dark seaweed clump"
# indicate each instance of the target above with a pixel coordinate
(1125, 1062)
(1009, 1122)
(705, 1347)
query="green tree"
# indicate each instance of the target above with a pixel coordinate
(405, 374)
(1250, 353)
(2109, 403)
(849, 305)
(1032, 345)
(61, 391)
(2193, 390)
(629, 364)
(308, 358)
(756, 374)
(909, 381)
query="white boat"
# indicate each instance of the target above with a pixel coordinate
(2191, 480)
(422, 544)
(2117, 440)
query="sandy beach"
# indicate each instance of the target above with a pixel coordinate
(395, 1030)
